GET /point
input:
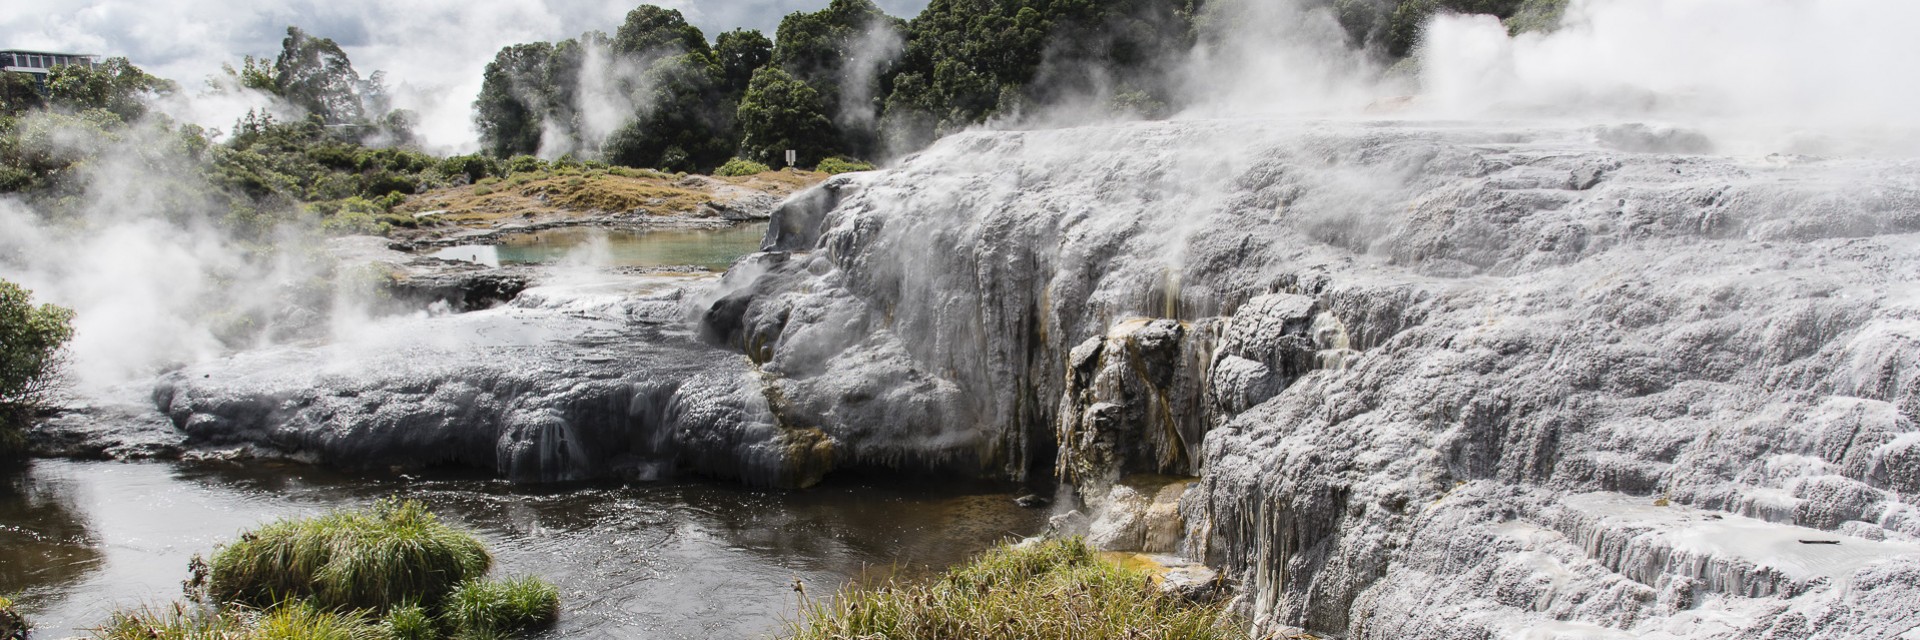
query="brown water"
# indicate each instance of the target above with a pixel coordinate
(671, 560)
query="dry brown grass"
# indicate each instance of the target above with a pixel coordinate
(551, 195)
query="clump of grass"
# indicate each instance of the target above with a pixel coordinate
(409, 622)
(302, 621)
(482, 607)
(171, 622)
(397, 552)
(1058, 589)
(292, 621)
(12, 624)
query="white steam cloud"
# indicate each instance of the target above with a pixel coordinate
(877, 48)
(142, 262)
(1834, 61)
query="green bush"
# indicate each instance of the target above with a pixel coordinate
(409, 622)
(741, 167)
(837, 165)
(31, 342)
(393, 553)
(1058, 589)
(502, 606)
(355, 215)
(483, 190)
(524, 164)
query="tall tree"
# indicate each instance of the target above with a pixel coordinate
(740, 53)
(316, 74)
(687, 123)
(516, 94)
(844, 52)
(651, 31)
(779, 113)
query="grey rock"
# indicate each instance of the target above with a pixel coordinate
(1412, 348)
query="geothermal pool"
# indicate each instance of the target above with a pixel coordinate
(709, 249)
(664, 560)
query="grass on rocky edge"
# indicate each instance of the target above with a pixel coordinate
(395, 553)
(1053, 590)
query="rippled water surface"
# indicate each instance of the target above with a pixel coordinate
(682, 560)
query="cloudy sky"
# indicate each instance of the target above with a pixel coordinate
(432, 50)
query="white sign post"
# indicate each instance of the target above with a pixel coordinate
(793, 157)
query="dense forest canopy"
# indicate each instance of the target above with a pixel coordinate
(850, 80)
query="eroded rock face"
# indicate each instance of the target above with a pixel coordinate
(1398, 355)
(592, 380)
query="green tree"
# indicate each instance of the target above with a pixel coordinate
(654, 31)
(740, 53)
(516, 95)
(31, 343)
(19, 94)
(838, 52)
(686, 125)
(968, 60)
(779, 112)
(316, 74)
(114, 85)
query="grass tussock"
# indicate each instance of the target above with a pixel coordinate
(395, 553)
(409, 622)
(294, 621)
(390, 572)
(12, 625)
(1057, 589)
(480, 608)
(173, 622)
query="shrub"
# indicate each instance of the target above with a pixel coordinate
(741, 167)
(1058, 589)
(502, 606)
(524, 164)
(376, 559)
(837, 165)
(350, 216)
(483, 190)
(475, 167)
(31, 339)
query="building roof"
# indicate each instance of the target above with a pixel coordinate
(33, 52)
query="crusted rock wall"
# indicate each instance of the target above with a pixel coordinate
(1396, 354)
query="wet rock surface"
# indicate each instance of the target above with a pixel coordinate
(571, 382)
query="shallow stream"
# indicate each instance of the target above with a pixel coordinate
(666, 560)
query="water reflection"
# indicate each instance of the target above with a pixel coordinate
(45, 544)
(710, 249)
(673, 560)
